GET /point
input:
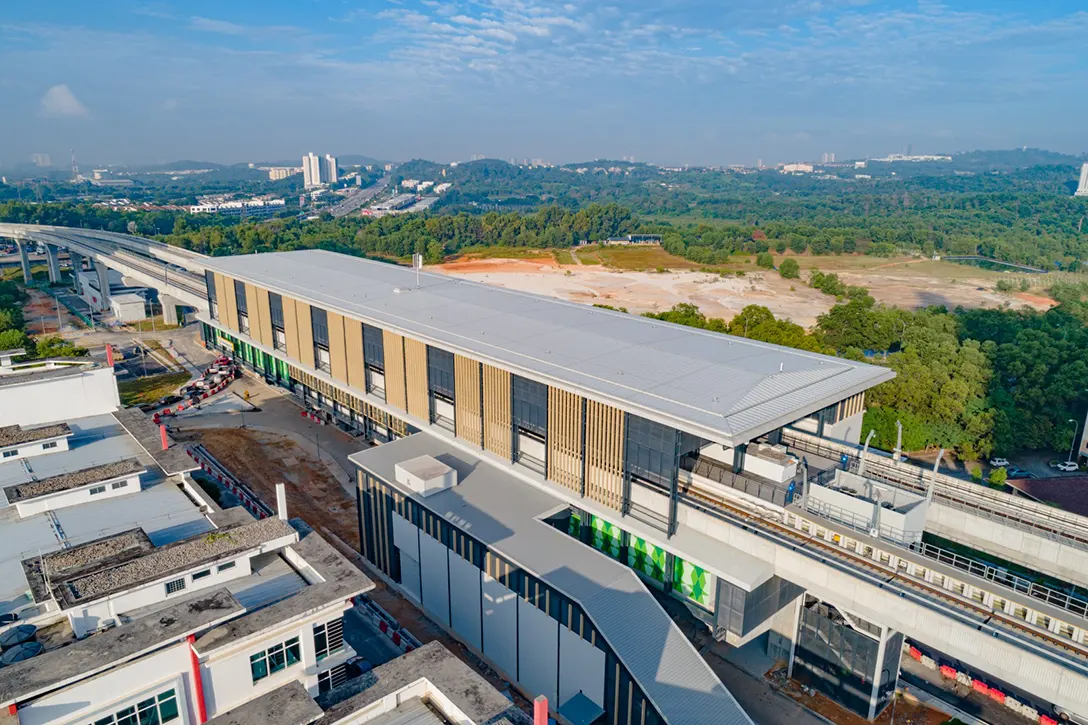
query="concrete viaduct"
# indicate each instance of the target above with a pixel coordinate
(176, 273)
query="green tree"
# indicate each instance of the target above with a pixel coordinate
(789, 268)
(765, 260)
(998, 476)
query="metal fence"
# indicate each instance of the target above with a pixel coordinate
(780, 494)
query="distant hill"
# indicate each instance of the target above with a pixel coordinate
(1012, 159)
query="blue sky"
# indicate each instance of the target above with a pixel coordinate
(670, 81)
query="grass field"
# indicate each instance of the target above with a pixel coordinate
(152, 324)
(500, 253)
(634, 258)
(563, 256)
(150, 389)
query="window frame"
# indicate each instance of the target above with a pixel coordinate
(174, 586)
(49, 445)
(328, 638)
(95, 490)
(275, 659)
(10, 454)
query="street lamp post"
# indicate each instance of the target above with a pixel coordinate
(1073, 442)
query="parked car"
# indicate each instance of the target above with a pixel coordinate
(999, 462)
(1067, 466)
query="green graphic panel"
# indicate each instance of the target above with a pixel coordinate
(574, 525)
(606, 537)
(644, 557)
(694, 583)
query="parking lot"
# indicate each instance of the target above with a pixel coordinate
(136, 362)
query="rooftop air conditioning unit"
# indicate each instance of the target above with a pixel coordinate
(425, 475)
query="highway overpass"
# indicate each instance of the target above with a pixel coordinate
(178, 274)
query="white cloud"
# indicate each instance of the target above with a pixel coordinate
(59, 102)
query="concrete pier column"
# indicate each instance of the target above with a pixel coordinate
(76, 263)
(103, 284)
(169, 309)
(24, 259)
(52, 255)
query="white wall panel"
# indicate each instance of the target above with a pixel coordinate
(465, 600)
(409, 575)
(405, 536)
(581, 668)
(436, 584)
(538, 651)
(500, 626)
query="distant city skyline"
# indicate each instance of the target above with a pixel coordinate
(691, 83)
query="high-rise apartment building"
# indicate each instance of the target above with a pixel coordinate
(311, 170)
(317, 171)
(329, 172)
(1082, 188)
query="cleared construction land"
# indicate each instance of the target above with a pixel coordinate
(648, 279)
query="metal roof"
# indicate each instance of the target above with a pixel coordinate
(501, 511)
(725, 388)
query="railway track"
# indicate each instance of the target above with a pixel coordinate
(982, 617)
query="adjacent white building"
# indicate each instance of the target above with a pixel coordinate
(1082, 188)
(132, 598)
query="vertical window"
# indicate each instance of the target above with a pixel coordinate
(440, 382)
(275, 313)
(374, 360)
(175, 586)
(373, 347)
(328, 638)
(243, 309)
(530, 413)
(213, 301)
(319, 321)
(331, 678)
(651, 452)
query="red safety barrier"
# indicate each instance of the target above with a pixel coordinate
(1047, 720)
(383, 626)
(980, 686)
(997, 695)
(916, 653)
(949, 672)
(396, 638)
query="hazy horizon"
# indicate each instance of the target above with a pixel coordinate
(692, 83)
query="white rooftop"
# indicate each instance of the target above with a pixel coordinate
(724, 388)
(160, 508)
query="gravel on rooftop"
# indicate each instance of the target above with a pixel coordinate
(178, 556)
(13, 435)
(74, 479)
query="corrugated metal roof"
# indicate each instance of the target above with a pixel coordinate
(501, 511)
(725, 388)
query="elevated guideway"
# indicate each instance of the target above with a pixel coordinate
(176, 273)
(1047, 539)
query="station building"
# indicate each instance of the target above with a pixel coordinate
(571, 434)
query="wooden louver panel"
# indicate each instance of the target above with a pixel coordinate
(353, 343)
(395, 393)
(497, 430)
(338, 361)
(258, 305)
(415, 369)
(221, 298)
(466, 395)
(305, 334)
(604, 454)
(565, 438)
(229, 305)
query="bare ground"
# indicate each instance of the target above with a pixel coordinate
(904, 283)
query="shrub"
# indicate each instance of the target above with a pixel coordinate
(765, 260)
(789, 269)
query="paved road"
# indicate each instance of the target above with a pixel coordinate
(367, 640)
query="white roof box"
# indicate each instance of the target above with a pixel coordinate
(425, 475)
